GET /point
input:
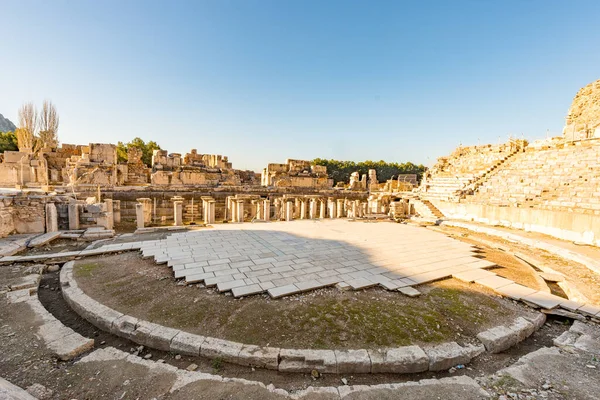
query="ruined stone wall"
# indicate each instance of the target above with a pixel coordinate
(163, 205)
(583, 117)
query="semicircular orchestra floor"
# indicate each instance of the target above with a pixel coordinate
(284, 258)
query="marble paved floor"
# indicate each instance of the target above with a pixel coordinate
(284, 258)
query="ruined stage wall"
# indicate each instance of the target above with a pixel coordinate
(564, 225)
(163, 205)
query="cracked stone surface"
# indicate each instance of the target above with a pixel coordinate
(287, 258)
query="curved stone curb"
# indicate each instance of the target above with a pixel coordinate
(407, 359)
(501, 337)
(64, 342)
(184, 378)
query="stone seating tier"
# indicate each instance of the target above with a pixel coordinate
(565, 177)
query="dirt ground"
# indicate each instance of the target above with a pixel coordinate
(577, 276)
(327, 318)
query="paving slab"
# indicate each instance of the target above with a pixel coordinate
(515, 291)
(494, 282)
(473, 275)
(543, 300)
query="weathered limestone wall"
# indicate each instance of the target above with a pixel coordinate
(583, 117)
(560, 224)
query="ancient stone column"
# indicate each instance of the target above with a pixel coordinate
(340, 208)
(322, 208)
(332, 208)
(240, 211)
(266, 210)
(364, 208)
(354, 209)
(313, 209)
(51, 218)
(117, 211)
(296, 208)
(178, 212)
(211, 211)
(234, 210)
(147, 207)
(139, 215)
(289, 210)
(258, 205)
(227, 208)
(73, 216)
(110, 222)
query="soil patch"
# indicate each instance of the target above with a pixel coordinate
(327, 318)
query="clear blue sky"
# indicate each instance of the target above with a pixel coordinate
(262, 81)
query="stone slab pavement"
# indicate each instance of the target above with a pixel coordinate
(284, 258)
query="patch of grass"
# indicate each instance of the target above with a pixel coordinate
(217, 364)
(507, 382)
(85, 270)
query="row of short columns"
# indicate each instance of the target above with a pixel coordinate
(286, 208)
(111, 209)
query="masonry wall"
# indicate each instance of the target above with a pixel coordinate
(564, 225)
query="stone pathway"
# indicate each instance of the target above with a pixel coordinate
(289, 257)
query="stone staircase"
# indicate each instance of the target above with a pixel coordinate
(467, 168)
(425, 209)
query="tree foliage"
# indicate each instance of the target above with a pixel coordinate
(340, 170)
(147, 150)
(8, 142)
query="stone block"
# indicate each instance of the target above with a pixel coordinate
(400, 360)
(498, 339)
(304, 360)
(353, 361)
(124, 326)
(153, 335)
(217, 348)
(257, 356)
(446, 356)
(71, 346)
(187, 343)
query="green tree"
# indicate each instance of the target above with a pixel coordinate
(8, 142)
(147, 150)
(340, 170)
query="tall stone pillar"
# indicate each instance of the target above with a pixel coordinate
(354, 209)
(322, 208)
(289, 210)
(178, 212)
(278, 208)
(332, 208)
(51, 218)
(139, 215)
(267, 210)
(234, 210)
(117, 211)
(258, 205)
(313, 209)
(227, 208)
(296, 208)
(110, 222)
(147, 207)
(240, 211)
(302, 208)
(359, 213)
(340, 208)
(73, 216)
(212, 205)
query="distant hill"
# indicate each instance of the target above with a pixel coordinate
(6, 125)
